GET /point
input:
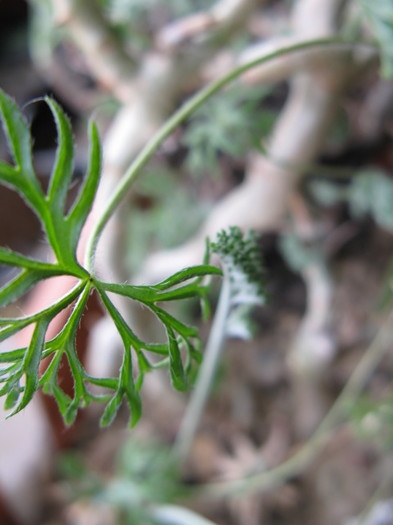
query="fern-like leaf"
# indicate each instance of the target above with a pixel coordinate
(20, 371)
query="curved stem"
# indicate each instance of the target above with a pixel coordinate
(206, 375)
(180, 116)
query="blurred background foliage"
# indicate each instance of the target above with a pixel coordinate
(348, 197)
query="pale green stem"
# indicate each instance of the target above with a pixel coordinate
(180, 116)
(207, 372)
(295, 465)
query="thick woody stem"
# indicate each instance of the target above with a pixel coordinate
(303, 458)
(207, 27)
(107, 59)
(261, 201)
(314, 345)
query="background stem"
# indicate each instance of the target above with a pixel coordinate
(295, 465)
(206, 375)
(180, 116)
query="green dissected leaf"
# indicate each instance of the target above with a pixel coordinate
(63, 167)
(111, 410)
(13, 325)
(19, 372)
(182, 329)
(126, 381)
(21, 284)
(186, 274)
(183, 292)
(49, 377)
(11, 357)
(11, 258)
(11, 178)
(70, 413)
(125, 386)
(128, 386)
(150, 294)
(31, 362)
(127, 335)
(9, 330)
(63, 401)
(20, 177)
(144, 294)
(24, 362)
(18, 135)
(157, 348)
(12, 397)
(131, 340)
(176, 365)
(84, 201)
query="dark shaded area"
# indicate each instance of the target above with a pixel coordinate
(13, 20)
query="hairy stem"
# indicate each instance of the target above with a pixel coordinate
(180, 116)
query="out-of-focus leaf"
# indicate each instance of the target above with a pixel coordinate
(371, 192)
(231, 125)
(327, 193)
(295, 253)
(380, 14)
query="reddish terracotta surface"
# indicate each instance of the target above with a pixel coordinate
(45, 293)
(6, 516)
